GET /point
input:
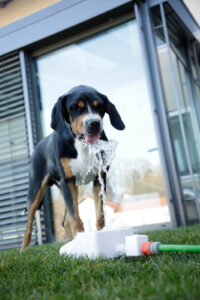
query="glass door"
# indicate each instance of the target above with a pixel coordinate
(112, 63)
(181, 104)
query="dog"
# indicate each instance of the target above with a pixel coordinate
(77, 118)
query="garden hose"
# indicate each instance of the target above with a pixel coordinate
(149, 248)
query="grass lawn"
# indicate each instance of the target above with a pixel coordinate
(41, 273)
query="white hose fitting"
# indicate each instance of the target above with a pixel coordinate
(132, 245)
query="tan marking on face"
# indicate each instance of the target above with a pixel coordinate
(77, 125)
(65, 163)
(95, 103)
(81, 104)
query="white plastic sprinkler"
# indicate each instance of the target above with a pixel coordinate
(118, 242)
(106, 243)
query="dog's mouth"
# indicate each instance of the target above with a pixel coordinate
(89, 138)
(92, 138)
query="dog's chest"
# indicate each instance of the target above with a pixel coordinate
(84, 167)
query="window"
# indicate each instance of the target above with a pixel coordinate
(112, 63)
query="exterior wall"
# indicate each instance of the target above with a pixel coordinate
(57, 21)
(18, 9)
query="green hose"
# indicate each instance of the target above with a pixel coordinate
(178, 248)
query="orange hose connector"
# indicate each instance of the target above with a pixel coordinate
(145, 248)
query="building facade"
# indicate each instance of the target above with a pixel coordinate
(145, 56)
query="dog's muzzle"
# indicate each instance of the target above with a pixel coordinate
(92, 129)
(92, 126)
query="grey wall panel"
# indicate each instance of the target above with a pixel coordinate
(14, 154)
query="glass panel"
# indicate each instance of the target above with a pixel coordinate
(182, 119)
(193, 65)
(194, 56)
(112, 63)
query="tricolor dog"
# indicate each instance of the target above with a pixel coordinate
(77, 118)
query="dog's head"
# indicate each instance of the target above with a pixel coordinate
(80, 112)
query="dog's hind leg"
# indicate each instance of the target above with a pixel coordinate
(32, 209)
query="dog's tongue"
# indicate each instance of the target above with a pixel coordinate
(90, 139)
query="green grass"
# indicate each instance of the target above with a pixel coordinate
(41, 273)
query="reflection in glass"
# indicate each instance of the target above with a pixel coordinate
(112, 63)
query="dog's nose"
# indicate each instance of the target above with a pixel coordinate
(93, 126)
(93, 123)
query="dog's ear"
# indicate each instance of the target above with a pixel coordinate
(59, 116)
(114, 116)
(60, 123)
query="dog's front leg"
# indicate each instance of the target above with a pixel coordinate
(70, 194)
(98, 190)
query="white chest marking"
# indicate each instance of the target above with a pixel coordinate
(84, 167)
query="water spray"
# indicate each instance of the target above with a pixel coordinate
(118, 242)
(100, 157)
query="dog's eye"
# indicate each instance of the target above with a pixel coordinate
(77, 107)
(95, 103)
(81, 104)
